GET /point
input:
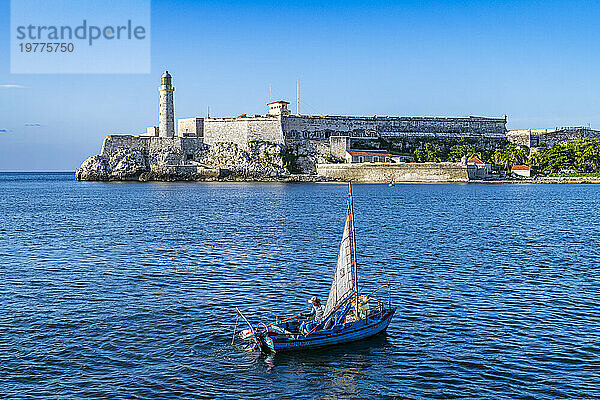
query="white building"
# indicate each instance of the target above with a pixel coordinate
(522, 170)
(360, 156)
(279, 108)
(482, 170)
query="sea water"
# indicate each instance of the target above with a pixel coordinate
(128, 290)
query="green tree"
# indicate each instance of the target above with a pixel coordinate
(458, 151)
(535, 159)
(559, 156)
(587, 155)
(429, 153)
(500, 157)
(509, 155)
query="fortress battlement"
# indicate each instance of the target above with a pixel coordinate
(280, 126)
(287, 128)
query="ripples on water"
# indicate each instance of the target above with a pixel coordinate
(128, 290)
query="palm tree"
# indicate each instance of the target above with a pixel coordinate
(509, 155)
(500, 157)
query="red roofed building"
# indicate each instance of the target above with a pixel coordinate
(482, 170)
(476, 161)
(360, 156)
(522, 170)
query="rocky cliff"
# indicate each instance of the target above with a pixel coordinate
(134, 158)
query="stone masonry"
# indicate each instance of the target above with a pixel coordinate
(287, 129)
(533, 138)
(166, 118)
(410, 172)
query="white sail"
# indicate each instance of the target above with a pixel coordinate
(343, 279)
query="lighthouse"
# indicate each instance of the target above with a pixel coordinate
(166, 117)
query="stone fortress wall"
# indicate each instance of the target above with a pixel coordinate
(533, 138)
(301, 127)
(158, 150)
(280, 126)
(190, 127)
(266, 130)
(298, 127)
(287, 129)
(241, 130)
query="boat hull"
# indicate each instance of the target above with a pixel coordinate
(359, 330)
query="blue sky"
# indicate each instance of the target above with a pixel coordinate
(537, 62)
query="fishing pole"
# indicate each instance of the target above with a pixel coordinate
(250, 325)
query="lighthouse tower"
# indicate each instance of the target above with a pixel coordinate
(166, 116)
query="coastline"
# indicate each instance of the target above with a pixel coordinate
(306, 178)
(546, 180)
(303, 178)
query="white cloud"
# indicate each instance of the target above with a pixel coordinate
(33, 124)
(7, 86)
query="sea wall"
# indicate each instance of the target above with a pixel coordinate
(382, 173)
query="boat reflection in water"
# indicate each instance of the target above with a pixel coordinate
(337, 371)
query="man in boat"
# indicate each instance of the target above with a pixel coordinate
(318, 309)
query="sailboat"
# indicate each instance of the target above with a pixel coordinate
(349, 316)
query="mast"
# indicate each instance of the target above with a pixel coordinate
(353, 247)
(298, 97)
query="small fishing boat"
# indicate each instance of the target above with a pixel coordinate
(348, 316)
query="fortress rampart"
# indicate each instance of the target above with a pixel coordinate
(243, 130)
(280, 126)
(298, 127)
(288, 129)
(548, 137)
